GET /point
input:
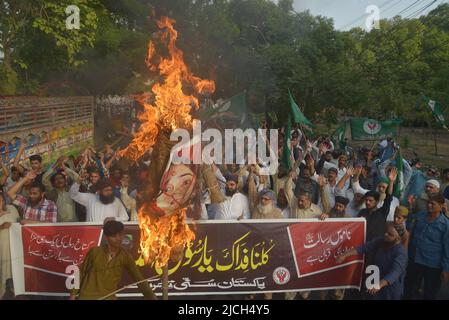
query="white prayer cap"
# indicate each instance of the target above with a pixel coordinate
(383, 143)
(434, 182)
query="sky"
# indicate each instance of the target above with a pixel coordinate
(351, 13)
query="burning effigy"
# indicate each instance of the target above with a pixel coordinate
(171, 186)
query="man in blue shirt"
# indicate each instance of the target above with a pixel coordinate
(428, 250)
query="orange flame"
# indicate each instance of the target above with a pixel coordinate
(170, 109)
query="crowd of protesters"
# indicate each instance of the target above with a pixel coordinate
(407, 234)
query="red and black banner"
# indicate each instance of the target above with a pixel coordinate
(227, 257)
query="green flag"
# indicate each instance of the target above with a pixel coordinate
(371, 129)
(233, 109)
(339, 135)
(297, 115)
(435, 106)
(286, 152)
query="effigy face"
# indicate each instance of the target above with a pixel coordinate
(177, 186)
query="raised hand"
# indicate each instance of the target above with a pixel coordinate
(322, 181)
(31, 175)
(393, 175)
(358, 171)
(350, 171)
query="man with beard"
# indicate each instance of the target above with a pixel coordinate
(236, 205)
(35, 208)
(420, 205)
(390, 256)
(57, 188)
(305, 184)
(101, 205)
(266, 209)
(338, 210)
(283, 204)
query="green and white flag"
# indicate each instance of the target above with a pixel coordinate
(372, 129)
(233, 109)
(339, 134)
(435, 106)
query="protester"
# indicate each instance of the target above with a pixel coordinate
(236, 205)
(57, 187)
(390, 256)
(35, 164)
(429, 250)
(35, 208)
(101, 205)
(302, 205)
(320, 182)
(103, 267)
(432, 188)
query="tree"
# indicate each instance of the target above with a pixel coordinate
(49, 17)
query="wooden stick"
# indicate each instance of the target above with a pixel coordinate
(165, 283)
(126, 287)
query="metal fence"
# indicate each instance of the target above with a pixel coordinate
(27, 113)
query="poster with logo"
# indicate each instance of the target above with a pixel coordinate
(227, 257)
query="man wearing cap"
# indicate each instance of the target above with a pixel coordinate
(420, 205)
(266, 208)
(338, 210)
(101, 205)
(103, 267)
(236, 205)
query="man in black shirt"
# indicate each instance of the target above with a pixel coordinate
(376, 217)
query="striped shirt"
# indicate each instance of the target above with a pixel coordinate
(44, 211)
